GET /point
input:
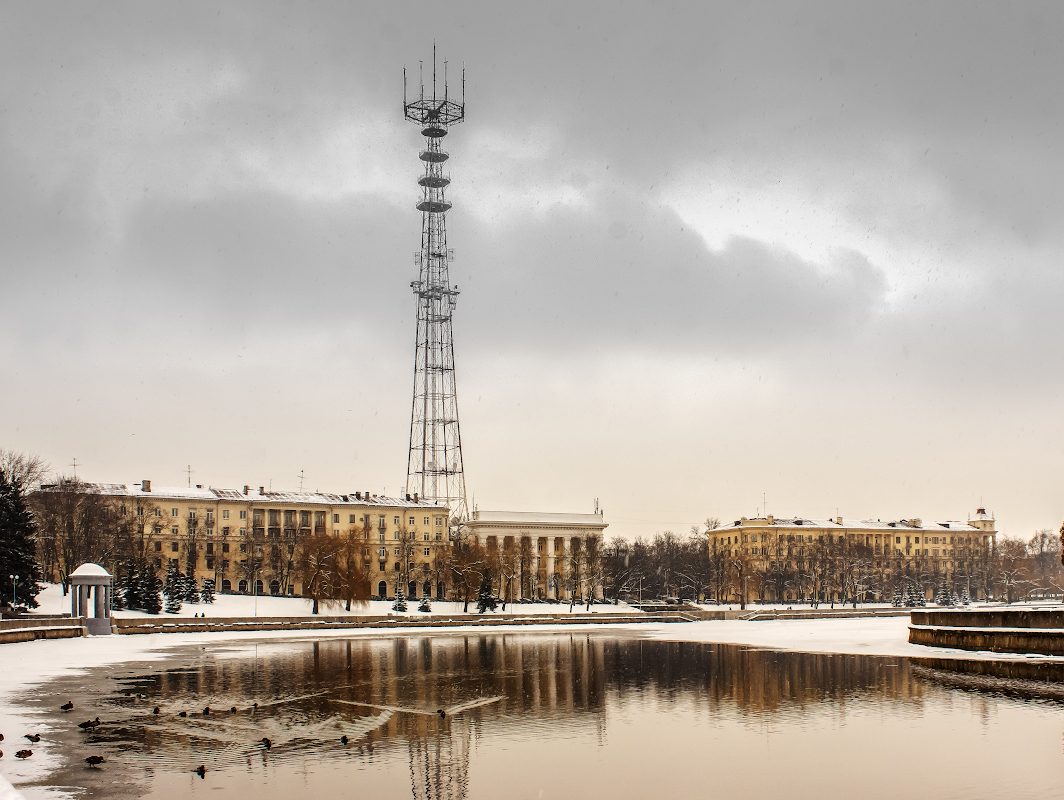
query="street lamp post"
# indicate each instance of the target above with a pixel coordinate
(14, 582)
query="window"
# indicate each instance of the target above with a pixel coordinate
(439, 520)
(411, 519)
(426, 551)
(210, 548)
(426, 537)
(173, 547)
(917, 540)
(243, 547)
(439, 536)
(361, 519)
(243, 515)
(210, 563)
(140, 511)
(210, 516)
(173, 512)
(225, 531)
(192, 513)
(243, 531)
(225, 547)
(396, 534)
(897, 540)
(382, 536)
(173, 530)
(397, 551)
(397, 520)
(336, 519)
(158, 512)
(396, 566)
(158, 547)
(210, 531)
(225, 513)
(426, 520)
(351, 519)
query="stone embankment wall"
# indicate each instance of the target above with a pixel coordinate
(1026, 631)
(27, 629)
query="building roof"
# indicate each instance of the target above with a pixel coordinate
(879, 526)
(211, 495)
(518, 518)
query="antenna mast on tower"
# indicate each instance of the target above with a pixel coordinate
(434, 467)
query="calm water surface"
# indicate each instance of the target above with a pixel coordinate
(547, 716)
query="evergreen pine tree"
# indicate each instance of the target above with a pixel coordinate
(191, 592)
(149, 588)
(131, 589)
(118, 594)
(486, 599)
(18, 549)
(910, 595)
(898, 600)
(400, 601)
(965, 599)
(207, 594)
(174, 590)
(424, 605)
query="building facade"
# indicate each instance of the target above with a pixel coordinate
(794, 558)
(549, 556)
(246, 540)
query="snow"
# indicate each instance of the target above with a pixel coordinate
(53, 602)
(90, 569)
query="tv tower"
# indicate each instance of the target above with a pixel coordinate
(434, 467)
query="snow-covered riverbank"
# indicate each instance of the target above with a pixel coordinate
(27, 665)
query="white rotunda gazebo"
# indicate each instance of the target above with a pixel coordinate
(83, 581)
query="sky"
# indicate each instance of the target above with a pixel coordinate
(715, 259)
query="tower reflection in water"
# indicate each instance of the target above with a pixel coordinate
(387, 695)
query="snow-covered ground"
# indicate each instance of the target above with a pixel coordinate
(52, 601)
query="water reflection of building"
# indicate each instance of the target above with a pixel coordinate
(542, 685)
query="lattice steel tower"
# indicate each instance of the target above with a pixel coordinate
(434, 467)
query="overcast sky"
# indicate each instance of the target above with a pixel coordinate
(708, 253)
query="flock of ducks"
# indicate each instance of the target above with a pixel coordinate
(94, 761)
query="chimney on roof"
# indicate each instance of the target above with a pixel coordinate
(262, 490)
(358, 495)
(408, 497)
(838, 520)
(415, 497)
(771, 519)
(199, 485)
(246, 488)
(145, 486)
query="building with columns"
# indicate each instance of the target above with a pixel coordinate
(549, 555)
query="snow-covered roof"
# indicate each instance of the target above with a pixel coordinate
(880, 526)
(94, 570)
(210, 494)
(536, 518)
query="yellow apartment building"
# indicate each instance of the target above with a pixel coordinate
(781, 546)
(246, 539)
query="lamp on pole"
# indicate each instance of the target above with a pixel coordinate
(14, 582)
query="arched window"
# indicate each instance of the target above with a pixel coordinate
(382, 590)
(242, 587)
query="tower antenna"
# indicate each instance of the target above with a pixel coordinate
(435, 469)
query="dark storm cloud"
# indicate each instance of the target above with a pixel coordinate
(857, 195)
(630, 275)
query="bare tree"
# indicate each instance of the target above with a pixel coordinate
(319, 568)
(28, 469)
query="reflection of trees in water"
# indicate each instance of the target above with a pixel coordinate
(391, 688)
(754, 680)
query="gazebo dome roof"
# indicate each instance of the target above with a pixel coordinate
(94, 570)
